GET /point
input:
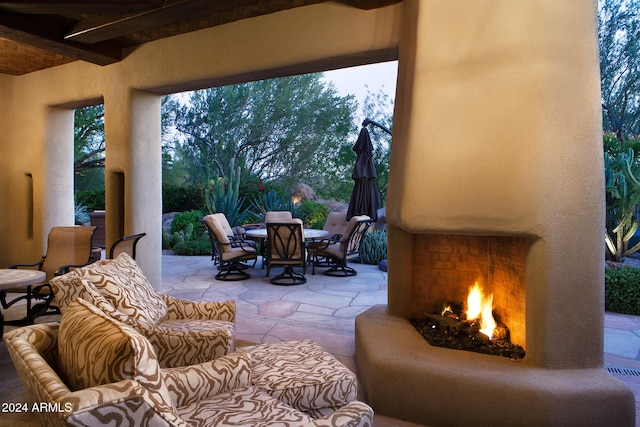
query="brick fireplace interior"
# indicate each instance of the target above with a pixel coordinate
(446, 266)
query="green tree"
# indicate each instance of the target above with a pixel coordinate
(89, 145)
(619, 44)
(286, 130)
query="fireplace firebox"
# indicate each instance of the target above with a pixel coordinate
(447, 266)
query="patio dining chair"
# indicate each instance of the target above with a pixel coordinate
(286, 247)
(126, 244)
(229, 252)
(340, 251)
(67, 247)
(275, 216)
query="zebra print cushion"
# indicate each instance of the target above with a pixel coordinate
(303, 375)
(94, 349)
(246, 406)
(121, 281)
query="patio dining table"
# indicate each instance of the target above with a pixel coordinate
(13, 277)
(309, 233)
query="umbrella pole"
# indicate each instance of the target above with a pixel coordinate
(369, 121)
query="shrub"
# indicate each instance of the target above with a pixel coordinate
(374, 247)
(183, 219)
(313, 214)
(193, 248)
(181, 198)
(622, 290)
(92, 200)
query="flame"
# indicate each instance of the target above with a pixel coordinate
(481, 307)
(445, 309)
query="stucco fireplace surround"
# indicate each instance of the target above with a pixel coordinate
(496, 175)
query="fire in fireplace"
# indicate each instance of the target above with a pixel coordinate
(469, 327)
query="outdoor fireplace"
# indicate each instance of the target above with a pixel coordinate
(449, 266)
(497, 177)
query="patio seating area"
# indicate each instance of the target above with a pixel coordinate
(323, 310)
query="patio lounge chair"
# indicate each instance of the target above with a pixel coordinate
(182, 332)
(98, 371)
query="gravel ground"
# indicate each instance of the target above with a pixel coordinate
(632, 260)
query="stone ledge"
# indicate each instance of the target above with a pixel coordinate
(406, 378)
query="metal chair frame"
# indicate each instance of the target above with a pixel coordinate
(39, 292)
(285, 244)
(231, 269)
(124, 240)
(351, 251)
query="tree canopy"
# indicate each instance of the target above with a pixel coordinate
(89, 145)
(287, 130)
(619, 44)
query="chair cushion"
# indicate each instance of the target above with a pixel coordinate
(122, 283)
(94, 349)
(218, 230)
(245, 406)
(302, 374)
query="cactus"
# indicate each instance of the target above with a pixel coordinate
(374, 247)
(188, 231)
(178, 237)
(166, 239)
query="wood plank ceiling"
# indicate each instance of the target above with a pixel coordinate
(38, 34)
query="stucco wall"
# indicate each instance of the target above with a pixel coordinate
(500, 134)
(308, 39)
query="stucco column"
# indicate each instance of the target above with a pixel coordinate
(133, 175)
(497, 131)
(53, 184)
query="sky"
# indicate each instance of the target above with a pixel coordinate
(354, 80)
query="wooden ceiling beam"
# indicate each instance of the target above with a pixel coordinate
(67, 7)
(41, 34)
(102, 28)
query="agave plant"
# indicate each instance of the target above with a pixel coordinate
(223, 195)
(622, 197)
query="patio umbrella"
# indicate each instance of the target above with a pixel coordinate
(365, 197)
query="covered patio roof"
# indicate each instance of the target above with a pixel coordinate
(39, 34)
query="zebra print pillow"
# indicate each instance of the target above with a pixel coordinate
(94, 350)
(122, 283)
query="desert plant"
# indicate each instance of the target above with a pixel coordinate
(374, 247)
(166, 239)
(272, 201)
(81, 214)
(223, 195)
(622, 180)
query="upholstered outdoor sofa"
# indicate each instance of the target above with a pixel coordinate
(182, 332)
(98, 371)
